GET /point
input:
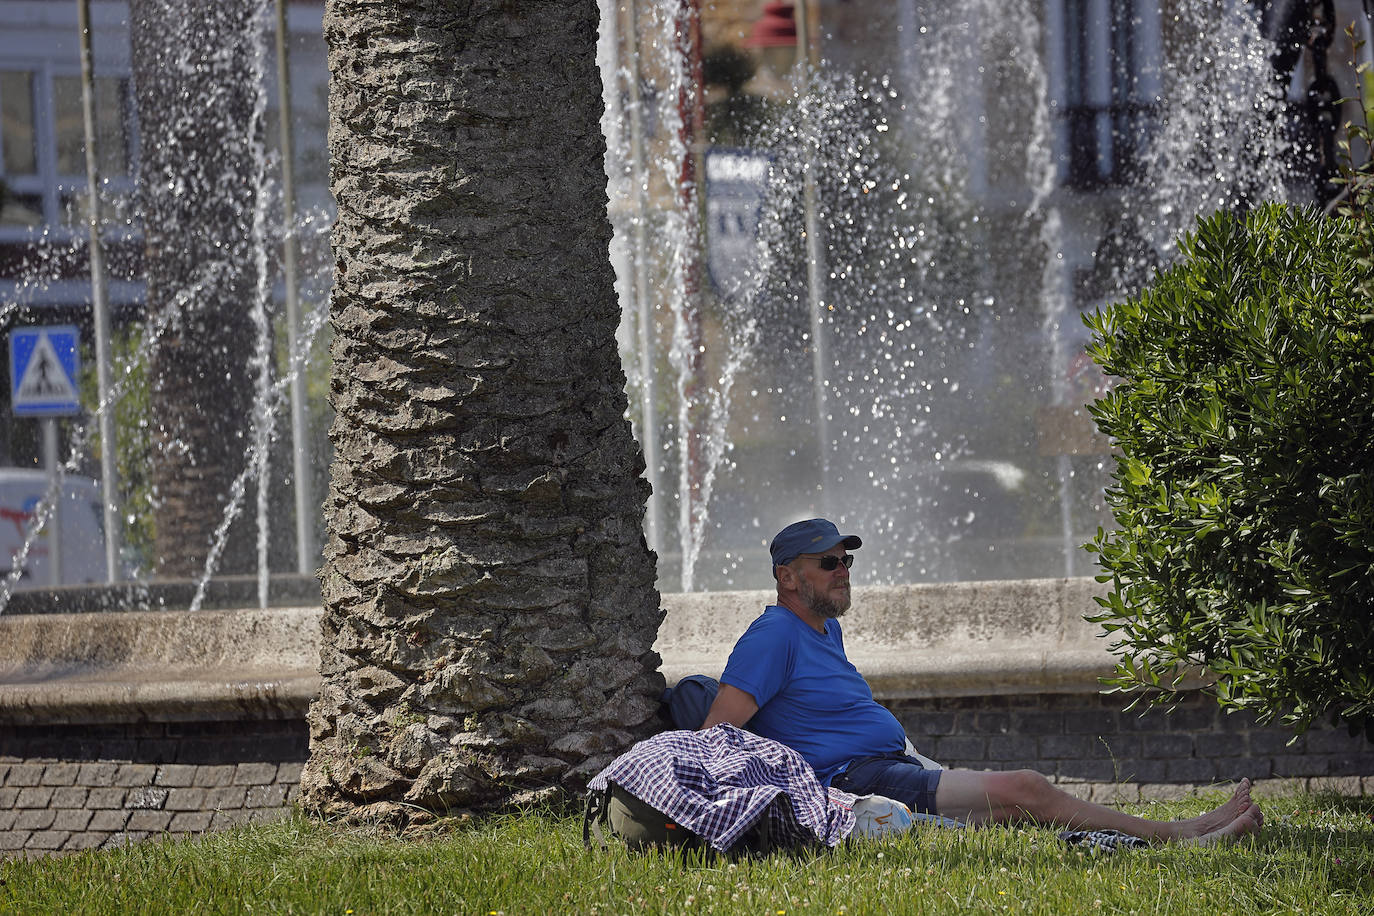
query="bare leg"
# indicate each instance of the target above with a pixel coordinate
(1024, 795)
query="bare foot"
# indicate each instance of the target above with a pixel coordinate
(1248, 821)
(1219, 818)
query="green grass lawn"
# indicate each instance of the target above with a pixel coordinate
(1316, 855)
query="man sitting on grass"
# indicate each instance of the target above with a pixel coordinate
(789, 679)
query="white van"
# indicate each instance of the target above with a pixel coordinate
(83, 539)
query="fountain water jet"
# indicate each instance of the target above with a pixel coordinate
(949, 312)
(965, 227)
(41, 284)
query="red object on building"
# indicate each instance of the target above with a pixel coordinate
(776, 28)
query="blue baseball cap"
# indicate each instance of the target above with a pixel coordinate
(815, 535)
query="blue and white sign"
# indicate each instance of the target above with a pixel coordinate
(44, 363)
(736, 185)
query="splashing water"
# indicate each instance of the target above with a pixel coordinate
(37, 284)
(956, 262)
(270, 402)
(260, 363)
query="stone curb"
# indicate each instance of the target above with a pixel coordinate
(959, 639)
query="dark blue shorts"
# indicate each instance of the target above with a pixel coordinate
(899, 777)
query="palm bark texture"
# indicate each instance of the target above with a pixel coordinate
(490, 607)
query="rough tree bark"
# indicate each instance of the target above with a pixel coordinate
(490, 606)
(200, 125)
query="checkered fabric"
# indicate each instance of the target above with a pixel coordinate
(717, 783)
(1103, 840)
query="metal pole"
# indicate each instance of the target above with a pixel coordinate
(100, 307)
(54, 525)
(691, 511)
(300, 464)
(1366, 49)
(815, 258)
(644, 313)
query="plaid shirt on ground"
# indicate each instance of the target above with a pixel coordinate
(716, 783)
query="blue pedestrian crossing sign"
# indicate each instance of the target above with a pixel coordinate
(44, 362)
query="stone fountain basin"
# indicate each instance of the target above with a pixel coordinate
(956, 639)
(962, 639)
(162, 666)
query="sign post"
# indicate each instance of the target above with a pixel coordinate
(100, 304)
(44, 363)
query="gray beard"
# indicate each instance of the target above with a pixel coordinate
(825, 607)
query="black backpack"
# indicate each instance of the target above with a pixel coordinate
(643, 827)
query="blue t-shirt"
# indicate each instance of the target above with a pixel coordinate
(810, 697)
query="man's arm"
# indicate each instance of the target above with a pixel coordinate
(732, 706)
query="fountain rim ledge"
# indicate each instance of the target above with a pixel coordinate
(913, 641)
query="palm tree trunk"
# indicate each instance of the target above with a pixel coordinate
(200, 142)
(489, 598)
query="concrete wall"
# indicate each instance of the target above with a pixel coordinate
(117, 726)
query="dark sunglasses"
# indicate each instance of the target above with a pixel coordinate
(830, 561)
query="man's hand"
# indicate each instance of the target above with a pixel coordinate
(732, 706)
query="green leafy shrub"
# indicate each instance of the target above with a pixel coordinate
(1244, 487)
(133, 447)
